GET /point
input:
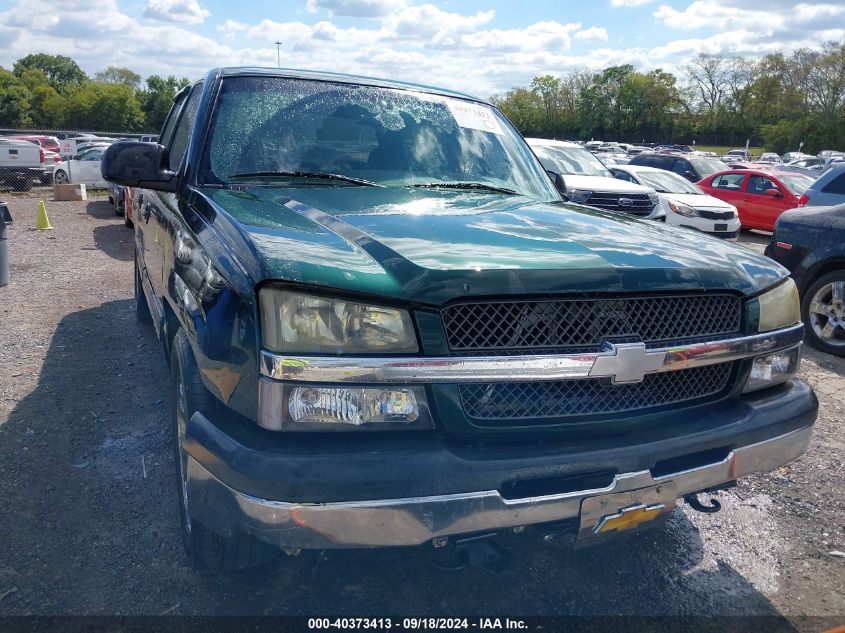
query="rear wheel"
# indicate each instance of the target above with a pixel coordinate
(823, 313)
(206, 549)
(22, 183)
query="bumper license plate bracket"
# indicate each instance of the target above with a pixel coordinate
(608, 514)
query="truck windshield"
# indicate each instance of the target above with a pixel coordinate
(271, 129)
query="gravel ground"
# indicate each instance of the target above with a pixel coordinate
(88, 506)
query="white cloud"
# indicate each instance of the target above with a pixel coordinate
(593, 33)
(726, 15)
(232, 25)
(185, 11)
(629, 3)
(357, 8)
(474, 52)
(426, 21)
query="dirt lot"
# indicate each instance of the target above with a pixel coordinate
(88, 507)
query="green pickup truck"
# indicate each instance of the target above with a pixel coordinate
(386, 327)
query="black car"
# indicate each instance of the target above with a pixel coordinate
(810, 242)
(692, 168)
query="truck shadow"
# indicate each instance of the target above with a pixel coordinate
(89, 523)
(831, 363)
(114, 239)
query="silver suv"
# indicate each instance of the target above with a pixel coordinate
(828, 189)
(586, 180)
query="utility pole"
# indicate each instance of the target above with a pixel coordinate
(278, 54)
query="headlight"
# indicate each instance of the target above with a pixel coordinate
(653, 198)
(578, 195)
(292, 322)
(779, 307)
(773, 369)
(285, 406)
(356, 406)
(683, 209)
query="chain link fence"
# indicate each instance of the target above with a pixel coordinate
(35, 157)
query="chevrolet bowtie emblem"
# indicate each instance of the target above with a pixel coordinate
(626, 363)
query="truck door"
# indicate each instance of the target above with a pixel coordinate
(158, 207)
(147, 229)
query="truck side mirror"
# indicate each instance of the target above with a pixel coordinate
(690, 176)
(137, 164)
(559, 183)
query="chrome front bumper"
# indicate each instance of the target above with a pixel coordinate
(413, 521)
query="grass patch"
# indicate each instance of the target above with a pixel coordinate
(721, 150)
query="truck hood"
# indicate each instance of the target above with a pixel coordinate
(603, 184)
(431, 246)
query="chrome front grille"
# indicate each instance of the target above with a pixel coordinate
(574, 398)
(575, 325)
(639, 203)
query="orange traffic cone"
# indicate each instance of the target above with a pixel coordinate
(42, 222)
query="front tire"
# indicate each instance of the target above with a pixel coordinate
(60, 177)
(823, 313)
(205, 549)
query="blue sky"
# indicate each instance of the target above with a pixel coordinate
(479, 46)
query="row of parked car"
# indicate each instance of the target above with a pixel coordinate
(37, 159)
(688, 189)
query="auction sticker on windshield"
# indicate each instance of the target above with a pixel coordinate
(474, 116)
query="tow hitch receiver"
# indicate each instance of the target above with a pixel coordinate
(604, 515)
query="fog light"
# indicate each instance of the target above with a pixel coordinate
(773, 369)
(354, 406)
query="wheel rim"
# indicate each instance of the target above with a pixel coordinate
(181, 425)
(61, 177)
(827, 313)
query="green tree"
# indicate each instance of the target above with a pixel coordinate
(41, 93)
(61, 71)
(524, 109)
(117, 75)
(157, 99)
(15, 101)
(102, 107)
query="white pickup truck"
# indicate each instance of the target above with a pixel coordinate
(21, 162)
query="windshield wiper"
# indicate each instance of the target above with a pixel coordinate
(467, 185)
(319, 175)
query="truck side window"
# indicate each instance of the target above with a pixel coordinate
(182, 133)
(170, 121)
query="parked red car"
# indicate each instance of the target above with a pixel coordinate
(759, 195)
(50, 143)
